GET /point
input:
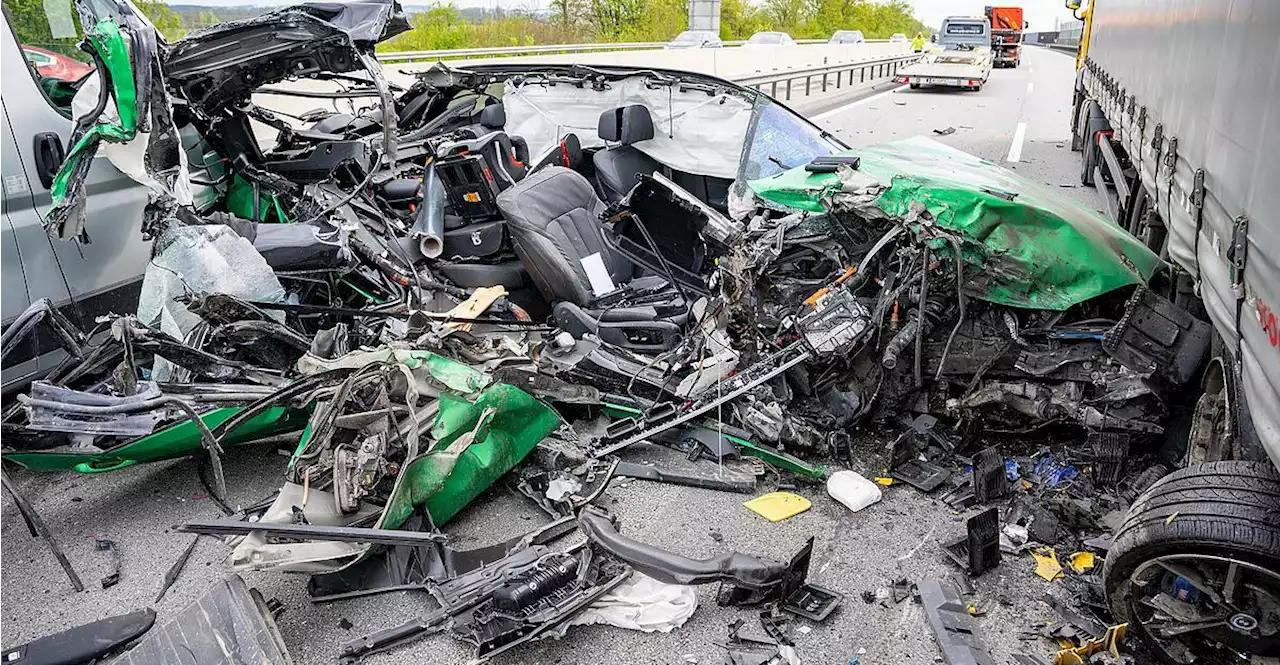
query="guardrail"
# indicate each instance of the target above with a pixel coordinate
(1065, 48)
(882, 68)
(406, 56)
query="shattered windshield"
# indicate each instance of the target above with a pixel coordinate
(779, 141)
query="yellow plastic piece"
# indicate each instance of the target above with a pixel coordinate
(881, 480)
(1080, 655)
(1047, 565)
(1082, 561)
(778, 506)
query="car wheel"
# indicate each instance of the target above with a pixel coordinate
(914, 86)
(1195, 567)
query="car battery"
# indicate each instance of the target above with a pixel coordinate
(469, 187)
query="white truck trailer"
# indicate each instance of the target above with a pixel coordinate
(1177, 115)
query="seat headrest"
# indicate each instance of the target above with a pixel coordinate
(493, 116)
(626, 125)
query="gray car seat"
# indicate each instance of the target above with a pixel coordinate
(553, 219)
(618, 165)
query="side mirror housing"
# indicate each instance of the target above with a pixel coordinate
(1073, 4)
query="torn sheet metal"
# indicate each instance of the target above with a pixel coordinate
(1029, 246)
(255, 552)
(230, 623)
(476, 441)
(178, 440)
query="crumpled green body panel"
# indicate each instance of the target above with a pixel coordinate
(1040, 250)
(445, 483)
(113, 47)
(179, 440)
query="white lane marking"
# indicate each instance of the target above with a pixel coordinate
(1031, 70)
(827, 114)
(1015, 150)
(1030, 86)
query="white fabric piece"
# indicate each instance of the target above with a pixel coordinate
(642, 603)
(130, 157)
(693, 132)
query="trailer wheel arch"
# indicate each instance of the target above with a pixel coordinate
(1095, 121)
(1078, 105)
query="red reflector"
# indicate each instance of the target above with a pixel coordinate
(488, 176)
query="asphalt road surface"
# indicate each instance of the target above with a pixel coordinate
(1019, 119)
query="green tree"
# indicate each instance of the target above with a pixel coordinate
(613, 19)
(739, 19)
(31, 24)
(787, 15)
(166, 21)
(442, 26)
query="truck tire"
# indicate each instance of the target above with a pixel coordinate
(1181, 547)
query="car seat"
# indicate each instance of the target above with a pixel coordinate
(618, 165)
(553, 218)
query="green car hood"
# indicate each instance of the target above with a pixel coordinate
(1025, 244)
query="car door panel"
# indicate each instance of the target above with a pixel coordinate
(22, 363)
(102, 274)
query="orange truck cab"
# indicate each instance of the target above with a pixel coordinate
(1006, 35)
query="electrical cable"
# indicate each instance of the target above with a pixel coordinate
(946, 350)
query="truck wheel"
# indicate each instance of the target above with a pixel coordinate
(1094, 121)
(1195, 568)
(914, 86)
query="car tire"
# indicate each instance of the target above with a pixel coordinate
(1212, 513)
(914, 86)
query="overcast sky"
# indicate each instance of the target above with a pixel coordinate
(1039, 13)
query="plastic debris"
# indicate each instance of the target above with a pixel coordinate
(1081, 562)
(853, 490)
(1051, 473)
(778, 506)
(1047, 565)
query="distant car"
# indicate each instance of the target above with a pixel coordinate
(695, 39)
(847, 37)
(898, 38)
(52, 65)
(770, 39)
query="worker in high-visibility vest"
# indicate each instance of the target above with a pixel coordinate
(917, 44)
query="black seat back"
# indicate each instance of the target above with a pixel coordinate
(618, 165)
(553, 219)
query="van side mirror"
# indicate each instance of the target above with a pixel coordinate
(1073, 4)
